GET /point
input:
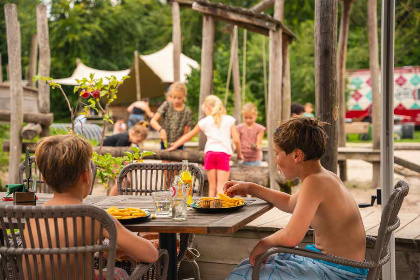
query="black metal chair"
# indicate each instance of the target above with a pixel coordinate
(389, 223)
(145, 178)
(41, 186)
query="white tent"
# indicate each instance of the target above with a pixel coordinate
(156, 74)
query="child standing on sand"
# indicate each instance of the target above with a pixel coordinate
(251, 135)
(322, 202)
(219, 129)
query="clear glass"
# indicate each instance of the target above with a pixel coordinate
(162, 201)
(179, 209)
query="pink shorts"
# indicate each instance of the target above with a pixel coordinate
(216, 160)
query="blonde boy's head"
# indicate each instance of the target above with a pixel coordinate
(138, 132)
(62, 159)
(305, 134)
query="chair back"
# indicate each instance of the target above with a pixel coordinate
(44, 243)
(41, 186)
(145, 178)
(389, 223)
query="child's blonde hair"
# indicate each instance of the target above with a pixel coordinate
(178, 86)
(249, 108)
(218, 110)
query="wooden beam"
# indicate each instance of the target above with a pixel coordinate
(326, 76)
(137, 70)
(274, 110)
(30, 131)
(262, 6)
(236, 17)
(250, 27)
(236, 76)
(33, 58)
(44, 57)
(207, 66)
(286, 88)
(1, 71)
(43, 119)
(176, 40)
(16, 91)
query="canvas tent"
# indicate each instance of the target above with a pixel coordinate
(156, 73)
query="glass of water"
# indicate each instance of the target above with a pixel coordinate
(162, 201)
(179, 209)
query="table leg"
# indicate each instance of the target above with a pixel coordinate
(168, 241)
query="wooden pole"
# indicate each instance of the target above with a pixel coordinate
(261, 6)
(374, 79)
(176, 40)
(244, 66)
(274, 91)
(44, 62)
(265, 76)
(236, 76)
(341, 71)
(16, 91)
(137, 70)
(1, 71)
(33, 57)
(207, 60)
(286, 88)
(326, 75)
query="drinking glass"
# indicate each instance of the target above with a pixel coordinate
(162, 201)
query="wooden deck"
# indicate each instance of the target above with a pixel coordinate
(232, 249)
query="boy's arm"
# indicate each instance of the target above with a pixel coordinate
(130, 108)
(307, 203)
(260, 137)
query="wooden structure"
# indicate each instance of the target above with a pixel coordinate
(20, 103)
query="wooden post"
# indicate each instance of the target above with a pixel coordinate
(176, 40)
(326, 76)
(137, 70)
(274, 91)
(1, 71)
(16, 91)
(44, 62)
(374, 78)
(341, 71)
(33, 57)
(286, 88)
(236, 76)
(207, 59)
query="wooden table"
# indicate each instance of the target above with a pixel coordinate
(222, 223)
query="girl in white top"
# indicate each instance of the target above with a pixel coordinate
(219, 128)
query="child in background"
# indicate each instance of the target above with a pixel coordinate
(219, 129)
(308, 110)
(119, 126)
(177, 117)
(296, 110)
(134, 136)
(251, 135)
(322, 202)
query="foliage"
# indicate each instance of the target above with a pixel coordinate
(108, 167)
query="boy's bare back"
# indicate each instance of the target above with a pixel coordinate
(337, 223)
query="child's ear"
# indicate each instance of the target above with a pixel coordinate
(298, 155)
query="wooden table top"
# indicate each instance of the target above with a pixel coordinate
(220, 223)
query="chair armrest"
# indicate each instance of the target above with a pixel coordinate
(143, 268)
(370, 239)
(308, 254)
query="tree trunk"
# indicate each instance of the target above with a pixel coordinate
(207, 60)
(44, 58)
(374, 78)
(1, 71)
(176, 40)
(286, 88)
(16, 91)
(326, 75)
(137, 70)
(236, 76)
(274, 91)
(30, 131)
(341, 86)
(33, 58)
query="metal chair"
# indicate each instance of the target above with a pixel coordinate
(44, 243)
(41, 186)
(381, 255)
(145, 178)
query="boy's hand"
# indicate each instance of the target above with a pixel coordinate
(233, 188)
(262, 246)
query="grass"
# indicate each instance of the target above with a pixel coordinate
(354, 138)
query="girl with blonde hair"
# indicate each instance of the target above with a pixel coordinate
(219, 129)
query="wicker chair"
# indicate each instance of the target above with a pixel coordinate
(41, 186)
(46, 222)
(381, 255)
(146, 178)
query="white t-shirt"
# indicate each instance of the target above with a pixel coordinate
(218, 138)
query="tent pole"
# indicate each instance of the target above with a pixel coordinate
(387, 113)
(176, 40)
(136, 68)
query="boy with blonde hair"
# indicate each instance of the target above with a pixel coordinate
(65, 164)
(322, 202)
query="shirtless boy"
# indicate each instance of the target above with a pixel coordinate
(322, 202)
(64, 162)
